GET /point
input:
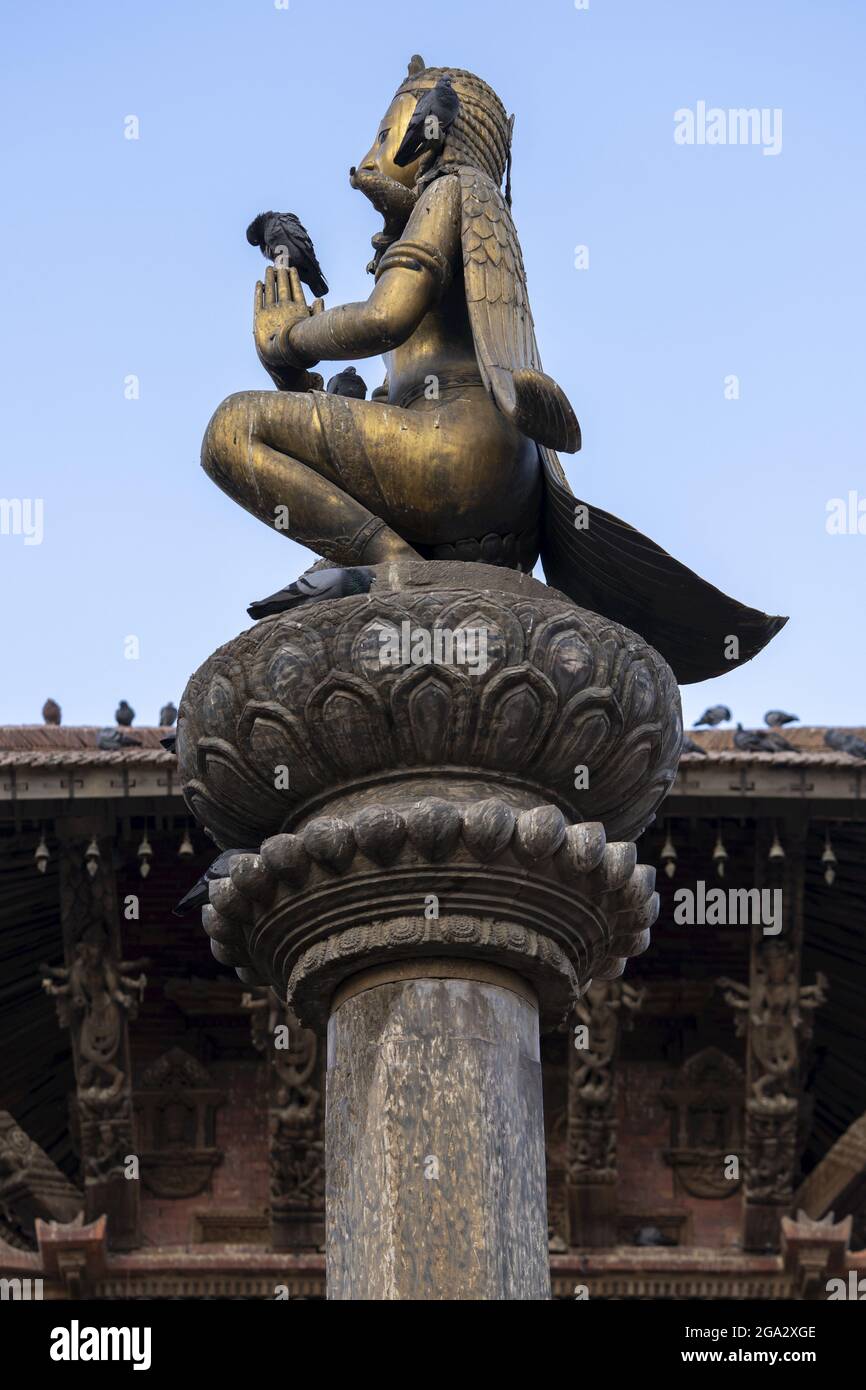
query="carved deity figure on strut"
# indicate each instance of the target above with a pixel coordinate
(778, 1008)
(98, 991)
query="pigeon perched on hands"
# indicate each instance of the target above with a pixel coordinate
(124, 714)
(430, 122)
(315, 584)
(284, 240)
(198, 895)
(775, 718)
(110, 740)
(348, 383)
(716, 714)
(842, 742)
(756, 741)
(167, 715)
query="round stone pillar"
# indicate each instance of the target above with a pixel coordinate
(428, 880)
(435, 1137)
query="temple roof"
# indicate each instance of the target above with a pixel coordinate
(29, 745)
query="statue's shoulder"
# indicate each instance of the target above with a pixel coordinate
(436, 216)
(443, 191)
(466, 196)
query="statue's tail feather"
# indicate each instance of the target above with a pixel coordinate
(537, 406)
(605, 565)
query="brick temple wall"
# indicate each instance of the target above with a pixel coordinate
(240, 1182)
(647, 1184)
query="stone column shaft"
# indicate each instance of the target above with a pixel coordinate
(434, 1134)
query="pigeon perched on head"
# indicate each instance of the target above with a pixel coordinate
(315, 584)
(348, 383)
(430, 122)
(843, 742)
(716, 714)
(110, 740)
(689, 746)
(167, 715)
(775, 718)
(124, 714)
(51, 712)
(284, 240)
(198, 894)
(756, 741)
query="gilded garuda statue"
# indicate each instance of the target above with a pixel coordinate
(454, 456)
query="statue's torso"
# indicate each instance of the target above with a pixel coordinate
(435, 372)
(439, 353)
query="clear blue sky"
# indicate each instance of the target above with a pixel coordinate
(125, 257)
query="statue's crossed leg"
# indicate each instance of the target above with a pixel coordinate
(355, 478)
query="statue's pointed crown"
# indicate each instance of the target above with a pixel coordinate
(481, 133)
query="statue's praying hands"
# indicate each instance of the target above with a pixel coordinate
(279, 304)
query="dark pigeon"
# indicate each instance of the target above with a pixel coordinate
(843, 742)
(110, 740)
(431, 120)
(778, 743)
(167, 715)
(775, 718)
(51, 712)
(124, 714)
(756, 741)
(169, 743)
(348, 383)
(716, 714)
(689, 746)
(313, 585)
(280, 236)
(198, 894)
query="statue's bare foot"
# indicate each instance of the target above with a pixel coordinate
(315, 584)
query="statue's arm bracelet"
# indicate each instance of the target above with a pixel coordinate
(416, 255)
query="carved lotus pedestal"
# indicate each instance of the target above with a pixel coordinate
(438, 784)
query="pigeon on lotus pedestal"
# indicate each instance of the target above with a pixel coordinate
(315, 585)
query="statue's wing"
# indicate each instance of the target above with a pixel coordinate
(501, 319)
(604, 564)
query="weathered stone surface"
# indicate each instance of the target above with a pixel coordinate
(435, 1144)
(468, 833)
(555, 902)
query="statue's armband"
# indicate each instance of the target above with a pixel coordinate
(417, 256)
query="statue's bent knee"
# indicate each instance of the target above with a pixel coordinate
(228, 427)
